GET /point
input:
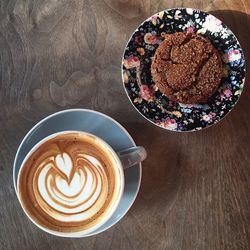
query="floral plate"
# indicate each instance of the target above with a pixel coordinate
(144, 94)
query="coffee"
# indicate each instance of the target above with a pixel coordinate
(70, 182)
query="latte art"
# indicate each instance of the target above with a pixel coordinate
(69, 184)
(76, 194)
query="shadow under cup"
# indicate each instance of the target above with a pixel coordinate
(70, 182)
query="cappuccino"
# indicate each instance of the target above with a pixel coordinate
(70, 182)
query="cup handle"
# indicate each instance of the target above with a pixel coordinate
(132, 156)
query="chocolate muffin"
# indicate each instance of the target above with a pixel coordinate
(187, 68)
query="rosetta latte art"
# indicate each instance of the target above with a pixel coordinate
(75, 193)
(71, 182)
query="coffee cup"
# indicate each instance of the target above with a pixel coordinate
(40, 187)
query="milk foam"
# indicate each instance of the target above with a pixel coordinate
(72, 199)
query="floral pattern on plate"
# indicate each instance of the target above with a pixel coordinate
(144, 94)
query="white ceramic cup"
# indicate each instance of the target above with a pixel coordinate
(125, 159)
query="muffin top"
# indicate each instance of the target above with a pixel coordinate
(187, 68)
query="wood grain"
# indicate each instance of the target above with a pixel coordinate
(195, 191)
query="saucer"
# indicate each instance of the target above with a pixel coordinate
(155, 106)
(95, 123)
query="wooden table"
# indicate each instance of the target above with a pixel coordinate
(195, 191)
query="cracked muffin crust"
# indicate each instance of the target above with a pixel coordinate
(187, 68)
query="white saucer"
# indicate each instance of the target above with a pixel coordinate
(98, 124)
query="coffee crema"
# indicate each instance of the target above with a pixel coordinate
(70, 183)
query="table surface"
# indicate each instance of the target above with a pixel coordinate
(195, 191)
